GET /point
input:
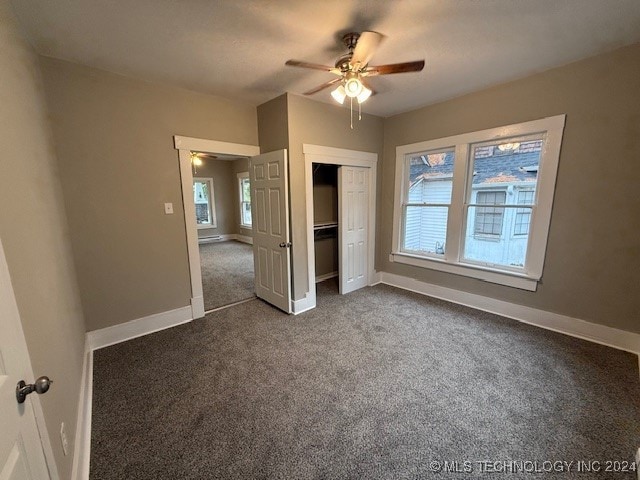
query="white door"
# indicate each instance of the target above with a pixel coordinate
(21, 454)
(270, 212)
(353, 226)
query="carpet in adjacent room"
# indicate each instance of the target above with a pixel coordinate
(227, 273)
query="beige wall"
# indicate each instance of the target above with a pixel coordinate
(34, 231)
(273, 125)
(592, 268)
(118, 167)
(327, 125)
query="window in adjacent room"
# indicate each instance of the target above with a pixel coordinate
(479, 204)
(204, 202)
(245, 199)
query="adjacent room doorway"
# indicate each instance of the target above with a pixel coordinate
(186, 147)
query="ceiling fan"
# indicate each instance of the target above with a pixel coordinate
(352, 69)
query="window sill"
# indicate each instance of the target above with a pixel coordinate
(205, 226)
(246, 227)
(515, 280)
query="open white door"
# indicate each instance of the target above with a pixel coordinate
(270, 212)
(353, 225)
(21, 453)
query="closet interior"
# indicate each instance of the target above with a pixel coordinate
(325, 220)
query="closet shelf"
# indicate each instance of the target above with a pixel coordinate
(324, 225)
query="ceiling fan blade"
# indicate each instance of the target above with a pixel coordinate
(323, 86)
(367, 44)
(395, 68)
(314, 66)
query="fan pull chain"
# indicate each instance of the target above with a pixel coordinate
(359, 111)
(351, 111)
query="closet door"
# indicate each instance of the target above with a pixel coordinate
(353, 225)
(271, 241)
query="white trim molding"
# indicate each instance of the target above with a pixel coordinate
(304, 304)
(244, 239)
(82, 447)
(575, 327)
(137, 328)
(203, 145)
(186, 145)
(335, 156)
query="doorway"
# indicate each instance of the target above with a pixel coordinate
(187, 146)
(223, 223)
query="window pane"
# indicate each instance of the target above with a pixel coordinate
(505, 174)
(507, 163)
(246, 213)
(246, 190)
(425, 229)
(500, 247)
(201, 200)
(523, 215)
(430, 178)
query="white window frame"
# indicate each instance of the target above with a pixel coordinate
(453, 261)
(242, 176)
(212, 204)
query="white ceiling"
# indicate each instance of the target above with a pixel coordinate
(237, 48)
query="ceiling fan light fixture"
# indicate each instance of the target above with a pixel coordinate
(353, 85)
(339, 94)
(196, 160)
(364, 94)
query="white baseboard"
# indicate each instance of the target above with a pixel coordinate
(216, 238)
(225, 238)
(82, 446)
(376, 278)
(575, 327)
(244, 239)
(137, 328)
(326, 276)
(304, 304)
(197, 307)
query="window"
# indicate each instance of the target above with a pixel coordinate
(429, 198)
(245, 199)
(488, 220)
(203, 199)
(479, 204)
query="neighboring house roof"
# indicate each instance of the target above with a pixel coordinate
(491, 166)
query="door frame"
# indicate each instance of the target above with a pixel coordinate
(341, 157)
(186, 145)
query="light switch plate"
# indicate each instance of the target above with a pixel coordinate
(168, 208)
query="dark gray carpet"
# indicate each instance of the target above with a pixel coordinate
(375, 384)
(227, 273)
